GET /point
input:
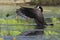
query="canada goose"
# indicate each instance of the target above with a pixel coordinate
(35, 13)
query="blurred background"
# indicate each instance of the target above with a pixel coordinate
(10, 26)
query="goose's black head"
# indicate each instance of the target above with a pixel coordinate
(39, 7)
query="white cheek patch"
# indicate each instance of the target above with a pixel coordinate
(38, 8)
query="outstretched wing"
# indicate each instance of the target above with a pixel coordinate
(29, 12)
